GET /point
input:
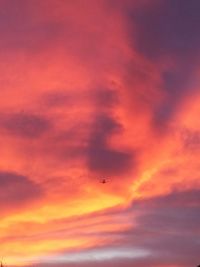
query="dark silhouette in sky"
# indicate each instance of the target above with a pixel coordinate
(103, 181)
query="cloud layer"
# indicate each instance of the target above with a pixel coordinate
(91, 90)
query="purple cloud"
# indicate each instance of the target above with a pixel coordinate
(17, 190)
(25, 125)
(102, 158)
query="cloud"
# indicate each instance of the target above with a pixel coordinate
(17, 190)
(22, 30)
(166, 34)
(25, 125)
(190, 139)
(105, 98)
(101, 87)
(162, 231)
(116, 263)
(109, 162)
(168, 226)
(168, 28)
(102, 158)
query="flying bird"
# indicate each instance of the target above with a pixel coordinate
(103, 181)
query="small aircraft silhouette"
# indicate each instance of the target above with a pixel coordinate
(103, 181)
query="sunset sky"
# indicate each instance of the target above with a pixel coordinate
(91, 90)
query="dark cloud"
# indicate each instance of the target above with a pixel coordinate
(25, 125)
(168, 227)
(109, 161)
(176, 213)
(169, 31)
(169, 28)
(174, 199)
(177, 85)
(104, 126)
(102, 158)
(16, 190)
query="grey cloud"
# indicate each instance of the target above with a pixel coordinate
(25, 125)
(168, 30)
(102, 158)
(17, 190)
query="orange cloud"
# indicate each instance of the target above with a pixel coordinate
(91, 90)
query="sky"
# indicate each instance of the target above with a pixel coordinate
(91, 90)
